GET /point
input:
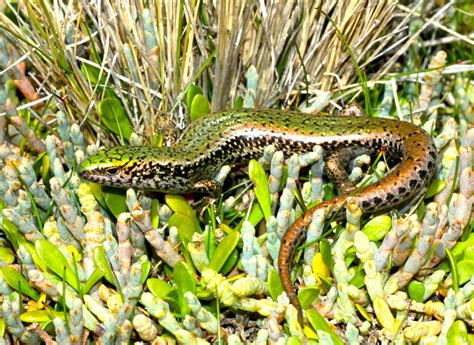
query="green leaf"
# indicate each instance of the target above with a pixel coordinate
(96, 275)
(113, 116)
(146, 268)
(454, 269)
(183, 278)
(259, 178)
(239, 102)
(325, 250)
(230, 262)
(199, 107)
(319, 323)
(56, 262)
(435, 187)
(307, 295)
(358, 279)
(17, 282)
(255, 216)
(193, 91)
(45, 171)
(377, 227)
(223, 251)
(465, 271)
(178, 204)
(40, 316)
(459, 251)
(457, 333)
(420, 211)
(275, 287)
(155, 213)
(115, 200)
(92, 74)
(96, 190)
(158, 287)
(6, 255)
(185, 225)
(30, 247)
(363, 312)
(416, 291)
(12, 233)
(2, 327)
(210, 242)
(177, 302)
(101, 262)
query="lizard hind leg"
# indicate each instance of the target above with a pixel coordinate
(334, 166)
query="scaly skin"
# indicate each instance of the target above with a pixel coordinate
(235, 137)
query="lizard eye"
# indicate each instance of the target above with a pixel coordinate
(112, 170)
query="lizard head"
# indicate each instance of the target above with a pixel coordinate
(111, 167)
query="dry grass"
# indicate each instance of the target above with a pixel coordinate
(149, 55)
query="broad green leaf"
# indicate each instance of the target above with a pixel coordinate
(325, 250)
(177, 302)
(358, 278)
(6, 255)
(158, 287)
(457, 333)
(183, 278)
(56, 262)
(40, 316)
(185, 225)
(99, 195)
(101, 262)
(224, 250)
(30, 247)
(193, 91)
(416, 291)
(384, 314)
(12, 233)
(435, 187)
(115, 200)
(329, 191)
(460, 249)
(92, 73)
(96, 275)
(319, 268)
(319, 323)
(468, 253)
(239, 102)
(17, 282)
(178, 204)
(275, 287)
(259, 178)
(146, 267)
(377, 227)
(307, 295)
(230, 262)
(199, 107)
(113, 116)
(465, 271)
(420, 211)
